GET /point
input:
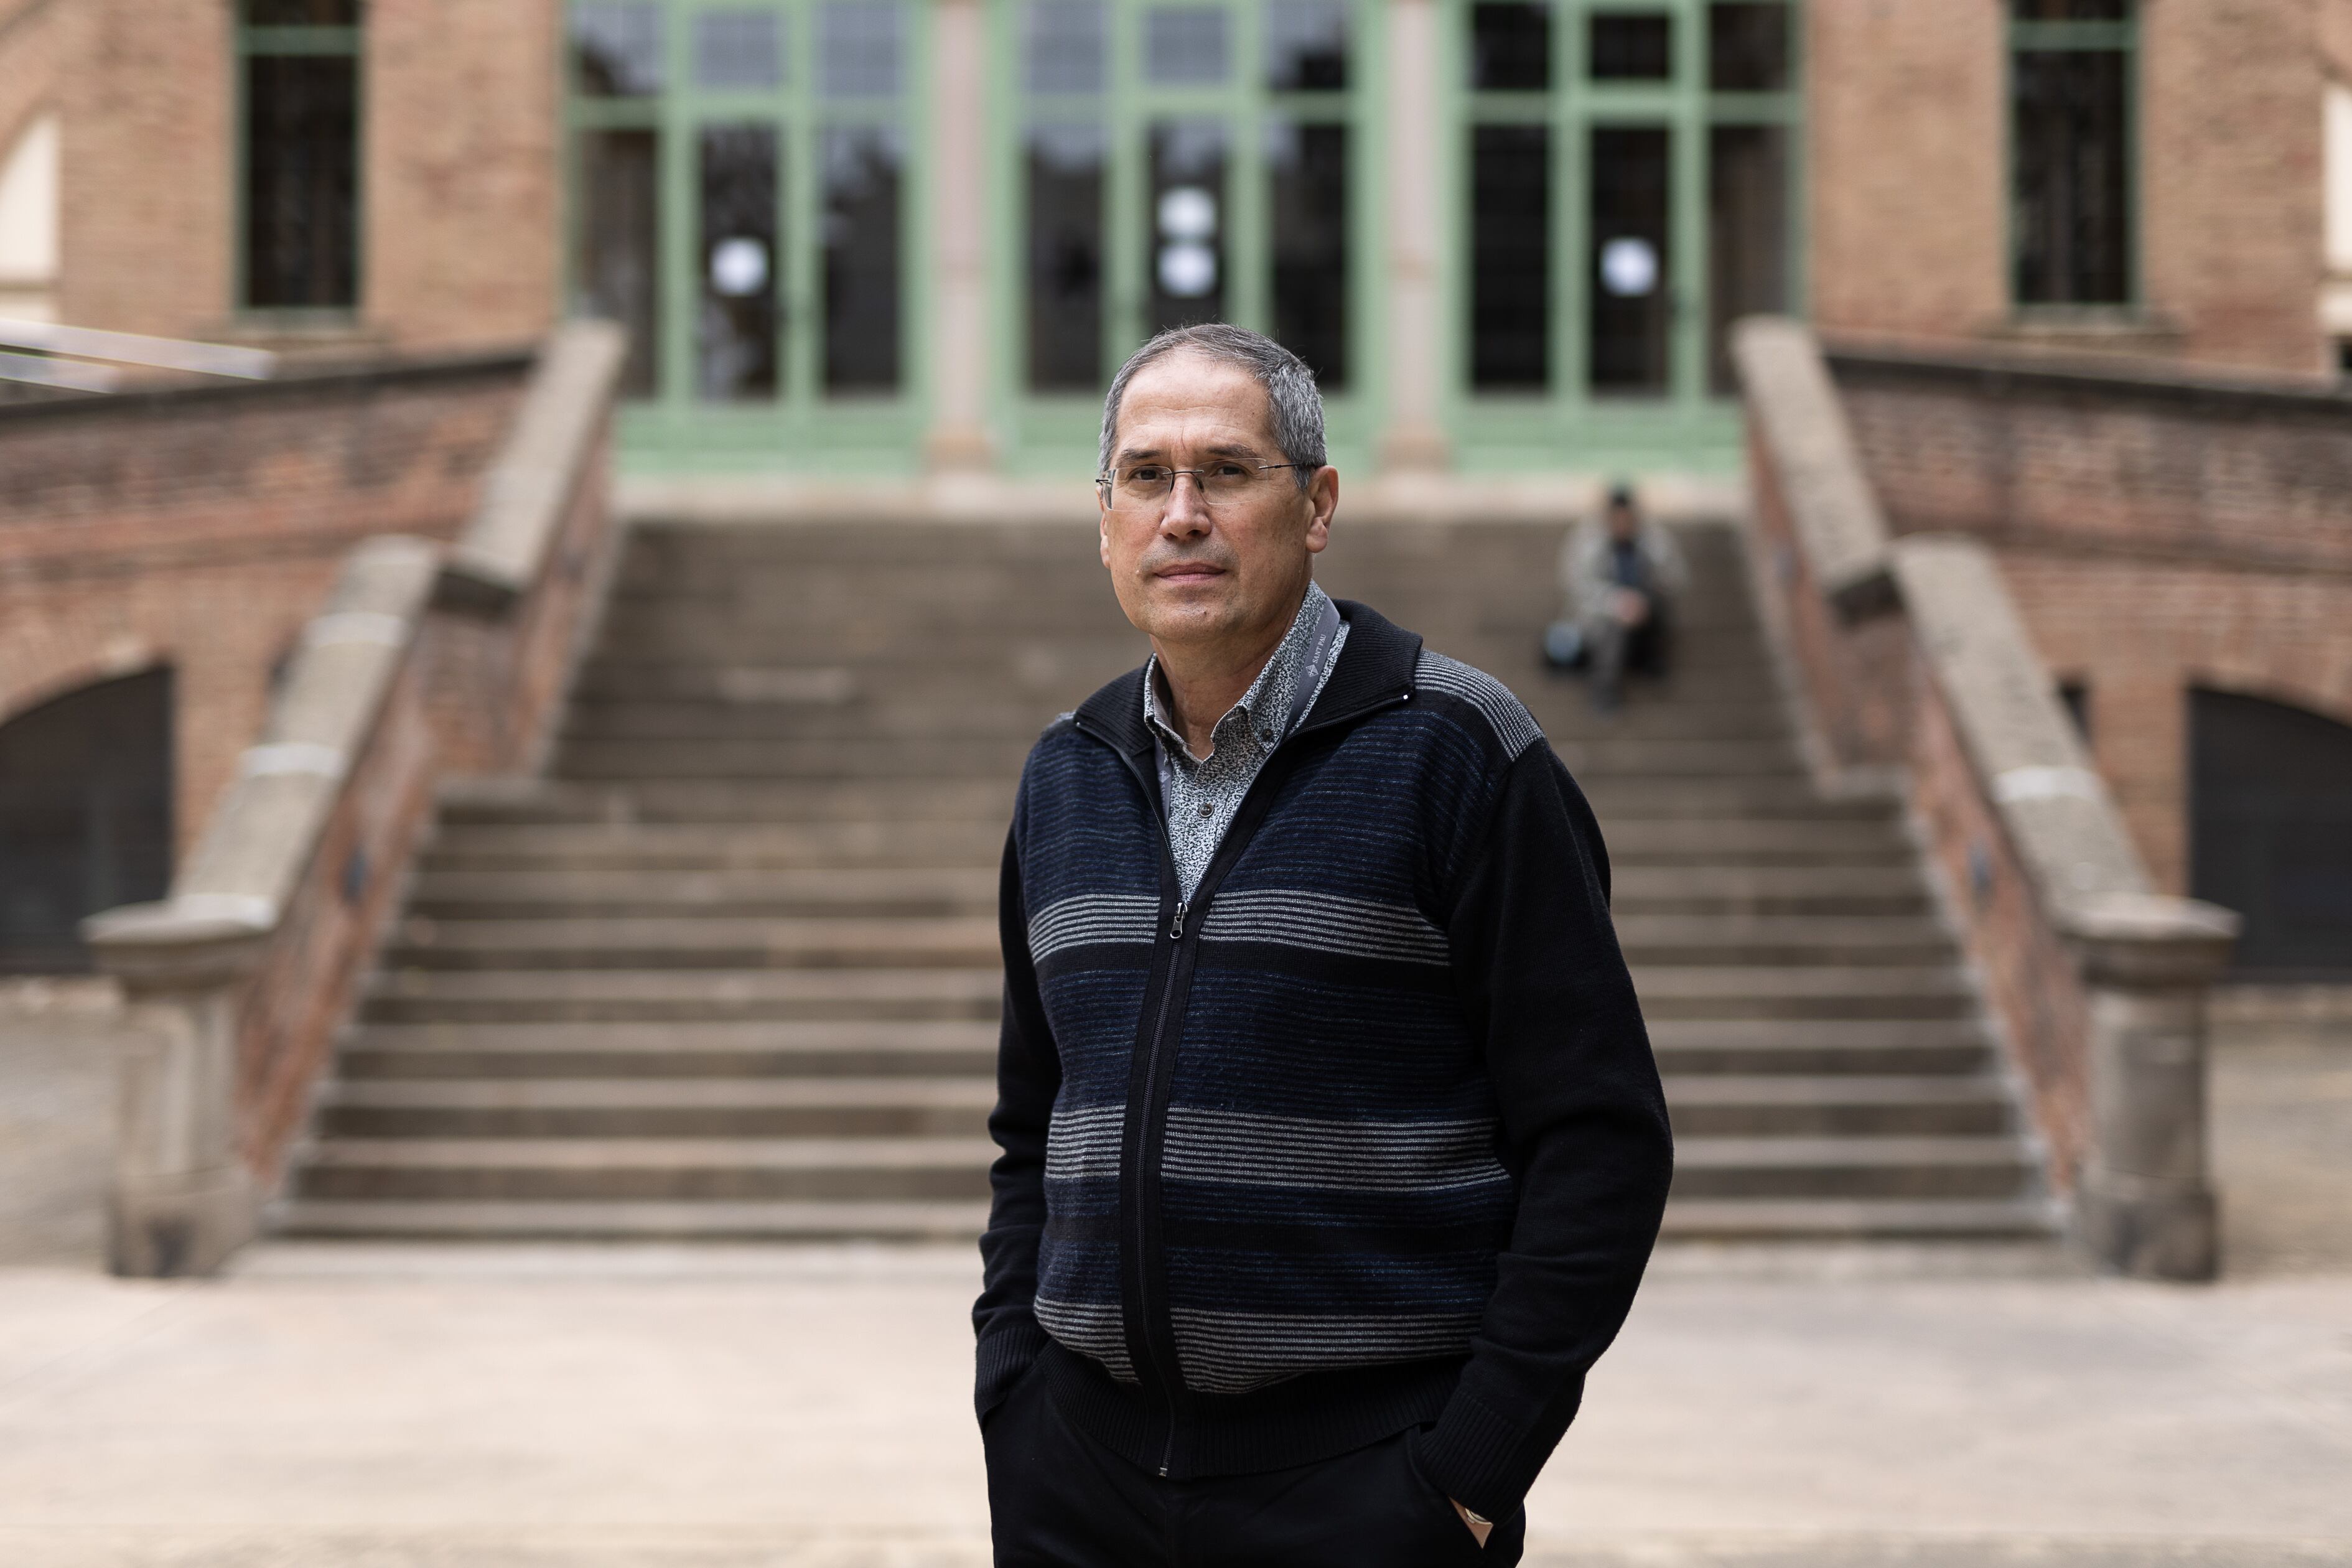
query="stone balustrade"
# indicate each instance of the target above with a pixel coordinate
(423, 663)
(1913, 665)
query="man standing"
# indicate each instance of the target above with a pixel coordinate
(1333, 1146)
(1622, 576)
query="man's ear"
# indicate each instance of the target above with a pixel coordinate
(1322, 501)
(1102, 530)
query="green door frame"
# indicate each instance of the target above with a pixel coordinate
(1566, 426)
(1044, 434)
(803, 429)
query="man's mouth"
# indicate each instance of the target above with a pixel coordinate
(1189, 572)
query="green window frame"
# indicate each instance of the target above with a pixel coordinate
(692, 125)
(1614, 87)
(1052, 430)
(302, 64)
(2075, 36)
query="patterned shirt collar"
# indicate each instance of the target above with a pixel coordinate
(1265, 712)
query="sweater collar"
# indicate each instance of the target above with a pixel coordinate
(1376, 667)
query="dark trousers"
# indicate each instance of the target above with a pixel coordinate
(1059, 1500)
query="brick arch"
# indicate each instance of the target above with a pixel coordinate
(2272, 679)
(69, 668)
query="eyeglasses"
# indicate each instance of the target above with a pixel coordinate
(1144, 485)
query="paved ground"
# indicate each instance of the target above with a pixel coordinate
(785, 1409)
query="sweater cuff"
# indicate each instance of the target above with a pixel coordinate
(1007, 1352)
(1479, 1459)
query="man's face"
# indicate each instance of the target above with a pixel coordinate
(1624, 523)
(1187, 572)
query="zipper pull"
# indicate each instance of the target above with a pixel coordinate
(1176, 931)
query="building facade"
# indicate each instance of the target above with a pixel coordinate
(882, 237)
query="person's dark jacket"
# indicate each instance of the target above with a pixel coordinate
(1366, 1134)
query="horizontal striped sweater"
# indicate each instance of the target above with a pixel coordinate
(1365, 1134)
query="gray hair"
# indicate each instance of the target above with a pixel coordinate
(1292, 402)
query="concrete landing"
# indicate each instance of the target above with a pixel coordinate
(332, 1407)
(390, 1408)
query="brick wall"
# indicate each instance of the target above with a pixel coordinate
(1907, 135)
(30, 35)
(459, 184)
(200, 529)
(1908, 129)
(2159, 534)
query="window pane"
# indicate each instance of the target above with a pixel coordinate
(738, 50)
(614, 265)
(1510, 47)
(1628, 281)
(1067, 46)
(860, 48)
(616, 50)
(1510, 257)
(1747, 48)
(2072, 222)
(1747, 235)
(736, 327)
(1066, 256)
(864, 168)
(1184, 46)
(301, 12)
(1308, 167)
(1187, 239)
(1631, 48)
(1307, 45)
(2072, 10)
(301, 180)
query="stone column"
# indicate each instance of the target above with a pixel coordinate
(182, 1199)
(958, 439)
(2145, 1204)
(1413, 319)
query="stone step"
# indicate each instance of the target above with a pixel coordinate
(1902, 1167)
(1680, 992)
(925, 713)
(1734, 843)
(1838, 1105)
(717, 847)
(801, 1107)
(1862, 1219)
(848, 758)
(648, 1169)
(605, 894)
(718, 995)
(1822, 1047)
(712, 941)
(1652, 890)
(761, 1049)
(988, 717)
(493, 1220)
(1654, 938)
(839, 942)
(550, 802)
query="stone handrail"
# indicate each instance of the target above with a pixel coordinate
(238, 979)
(1909, 655)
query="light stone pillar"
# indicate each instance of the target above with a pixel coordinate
(1414, 321)
(182, 1199)
(959, 440)
(2145, 1205)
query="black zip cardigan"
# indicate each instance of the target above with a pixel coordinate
(1365, 1135)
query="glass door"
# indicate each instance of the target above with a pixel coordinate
(1625, 192)
(1170, 164)
(744, 203)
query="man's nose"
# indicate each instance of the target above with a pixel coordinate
(1188, 512)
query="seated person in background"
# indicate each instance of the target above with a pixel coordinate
(1622, 574)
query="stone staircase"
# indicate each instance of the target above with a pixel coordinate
(731, 971)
